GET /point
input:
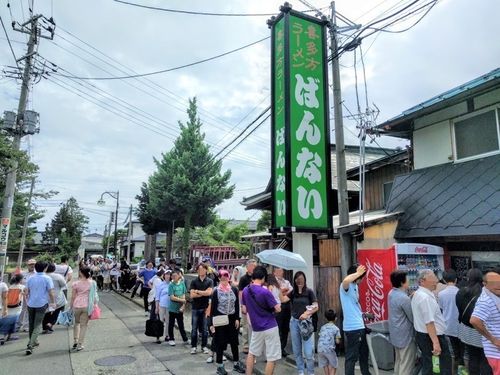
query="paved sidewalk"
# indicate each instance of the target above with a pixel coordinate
(283, 366)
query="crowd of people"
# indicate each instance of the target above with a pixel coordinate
(33, 301)
(452, 328)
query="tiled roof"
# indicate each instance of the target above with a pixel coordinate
(456, 199)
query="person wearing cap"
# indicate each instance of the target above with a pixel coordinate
(225, 301)
(200, 291)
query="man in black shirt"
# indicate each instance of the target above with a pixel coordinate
(200, 291)
(244, 282)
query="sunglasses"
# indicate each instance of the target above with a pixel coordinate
(224, 274)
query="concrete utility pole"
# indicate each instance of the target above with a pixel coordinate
(345, 238)
(29, 27)
(25, 226)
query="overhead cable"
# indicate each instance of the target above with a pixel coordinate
(169, 69)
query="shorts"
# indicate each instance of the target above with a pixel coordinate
(327, 359)
(107, 280)
(268, 340)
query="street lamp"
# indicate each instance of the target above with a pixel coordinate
(101, 202)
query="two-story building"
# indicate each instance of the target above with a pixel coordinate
(452, 197)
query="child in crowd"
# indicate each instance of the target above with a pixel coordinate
(329, 336)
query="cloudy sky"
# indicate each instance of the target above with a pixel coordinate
(99, 136)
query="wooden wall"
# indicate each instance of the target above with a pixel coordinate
(374, 185)
(326, 285)
(329, 253)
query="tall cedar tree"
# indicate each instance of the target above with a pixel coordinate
(189, 183)
(71, 218)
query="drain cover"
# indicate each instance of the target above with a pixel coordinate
(115, 360)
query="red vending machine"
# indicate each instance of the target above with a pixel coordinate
(373, 291)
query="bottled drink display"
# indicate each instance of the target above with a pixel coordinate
(413, 263)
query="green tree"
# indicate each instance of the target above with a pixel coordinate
(188, 183)
(26, 171)
(264, 223)
(121, 233)
(67, 227)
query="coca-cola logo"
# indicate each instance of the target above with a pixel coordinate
(421, 249)
(374, 297)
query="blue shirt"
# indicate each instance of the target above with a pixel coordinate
(39, 286)
(162, 294)
(353, 318)
(148, 275)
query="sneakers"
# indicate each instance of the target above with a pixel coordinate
(187, 343)
(206, 350)
(79, 348)
(221, 370)
(29, 350)
(239, 367)
(210, 359)
(75, 345)
(224, 358)
(193, 350)
(171, 343)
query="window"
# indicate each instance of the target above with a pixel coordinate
(387, 192)
(477, 134)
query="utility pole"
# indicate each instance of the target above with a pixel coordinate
(345, 238)
(19, 129)
(129, 234)
(107, 240)
(25, 226)
(111, 214)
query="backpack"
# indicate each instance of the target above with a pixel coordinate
(14, 297)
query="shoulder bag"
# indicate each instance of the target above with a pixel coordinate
(220, 320)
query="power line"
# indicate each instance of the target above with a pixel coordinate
(169, 69)
(8, 41)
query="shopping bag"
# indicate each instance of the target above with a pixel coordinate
(65, 318)
(154, 328)
(96, 313)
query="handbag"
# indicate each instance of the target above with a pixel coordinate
(220, 320)
(65, 318)
(306, 328)
(154, 328)
(96, 313)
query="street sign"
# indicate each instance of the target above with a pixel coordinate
(300, 124)
(4, 235)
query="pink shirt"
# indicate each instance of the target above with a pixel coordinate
(81, 290)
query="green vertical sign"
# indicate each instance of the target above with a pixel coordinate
(300, 128)
(279, 154)
(308, 158)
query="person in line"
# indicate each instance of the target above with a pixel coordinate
(177, 292)
(466, 301)
(303, 305)
(329, 337)
(81, 299)
(59, 281)
(354, 326)
(153, 284)
(40, 295)
(284, 316)
(246, 280)
(200, 291)
(430, 325)
(238, 271)
(65, 270)
(225, 302)
(146, 275)
(23, 317)
(447, 303)
(125, 276)
(486, 319)
(163, 301)
(401, 332)
(260, 305)
(11, 305)
(106, 275)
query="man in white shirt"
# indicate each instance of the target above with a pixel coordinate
(447, 303)
(430, 325)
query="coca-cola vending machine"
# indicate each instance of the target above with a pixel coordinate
(413, 257)
(373, 291)
(379, 263)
